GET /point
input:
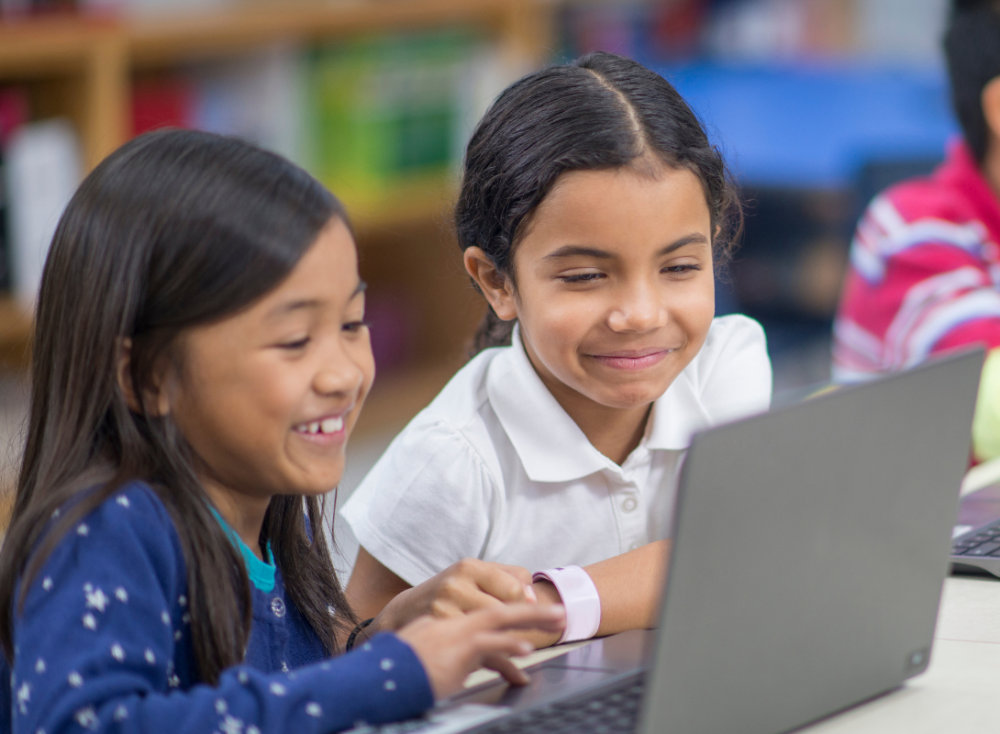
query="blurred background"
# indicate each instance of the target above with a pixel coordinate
(817, 104)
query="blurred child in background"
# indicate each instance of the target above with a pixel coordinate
(925, 261)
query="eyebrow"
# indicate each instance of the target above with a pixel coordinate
(312, 302)
(581, 251)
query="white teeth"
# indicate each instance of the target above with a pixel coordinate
(330, 425)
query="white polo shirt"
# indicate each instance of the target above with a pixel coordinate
(495, 469)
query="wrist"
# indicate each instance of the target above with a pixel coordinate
(545, 591)
(359, 634)
(579, 596)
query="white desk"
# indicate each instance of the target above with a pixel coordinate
(959, 693)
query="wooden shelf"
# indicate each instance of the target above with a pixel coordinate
(84, 68)
(16, 324)
(31, 49)
(524, 24)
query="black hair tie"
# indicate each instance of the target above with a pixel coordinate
(354, 634)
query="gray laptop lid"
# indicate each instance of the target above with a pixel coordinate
(810, 548)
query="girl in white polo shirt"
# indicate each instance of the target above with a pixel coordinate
(593, 211)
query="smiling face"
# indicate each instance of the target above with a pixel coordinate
(267, 397)
(614, 286)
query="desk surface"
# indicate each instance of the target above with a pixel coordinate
(956, 694)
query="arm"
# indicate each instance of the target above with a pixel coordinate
(630, 586)
(103, 627)
(376, 592)
(104, 642)
(372, 586)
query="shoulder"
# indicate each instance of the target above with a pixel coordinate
(134, 510)
(731, 337)
(131, 529)
(454, 428)
(922, 199)
(460, 400)
(732, 372)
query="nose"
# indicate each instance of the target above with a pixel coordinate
(639, 308)
(338, 374)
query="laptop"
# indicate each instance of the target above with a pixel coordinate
(810, 549)
(975, 549)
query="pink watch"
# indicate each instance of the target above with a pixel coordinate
(579, 596)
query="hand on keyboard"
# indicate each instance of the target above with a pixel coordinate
(451, 648)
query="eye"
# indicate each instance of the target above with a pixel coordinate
(681, 268)
(581, 278)
(353, 327)
(294, 345)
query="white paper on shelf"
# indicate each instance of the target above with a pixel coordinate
(42, 171)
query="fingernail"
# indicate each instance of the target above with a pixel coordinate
(526, 648)
(529, 594)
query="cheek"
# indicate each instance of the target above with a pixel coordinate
(560, 321)
(693, 315)
(365, 359)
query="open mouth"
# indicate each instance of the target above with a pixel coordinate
(325, 427)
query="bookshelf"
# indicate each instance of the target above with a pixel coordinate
(83, 69)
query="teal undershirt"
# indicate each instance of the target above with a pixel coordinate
(261, 573)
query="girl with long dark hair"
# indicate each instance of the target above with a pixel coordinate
(592, 214)
(200, 357)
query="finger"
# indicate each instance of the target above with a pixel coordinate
(545, 617)
(519, 572)
(489, 645)
(499, 583)
(506, 668)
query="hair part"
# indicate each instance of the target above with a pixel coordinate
(174, 229)
(972, 50)
(599, 112)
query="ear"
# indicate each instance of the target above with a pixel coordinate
(154, 401)
(991, 106)
(496, 286)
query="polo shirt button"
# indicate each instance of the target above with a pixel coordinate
(635, 546)
(629, 504)
(278, 607)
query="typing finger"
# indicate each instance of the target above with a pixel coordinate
(506, 668)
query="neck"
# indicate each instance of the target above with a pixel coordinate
(615, 432)
(244, 514)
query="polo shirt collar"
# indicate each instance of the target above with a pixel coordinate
(550, 444)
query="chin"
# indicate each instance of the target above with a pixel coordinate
(626, 399)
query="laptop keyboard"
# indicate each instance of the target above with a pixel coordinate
(985, 543)
(605, 711)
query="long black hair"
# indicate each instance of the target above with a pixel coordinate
(174, 229)
(600, 112)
